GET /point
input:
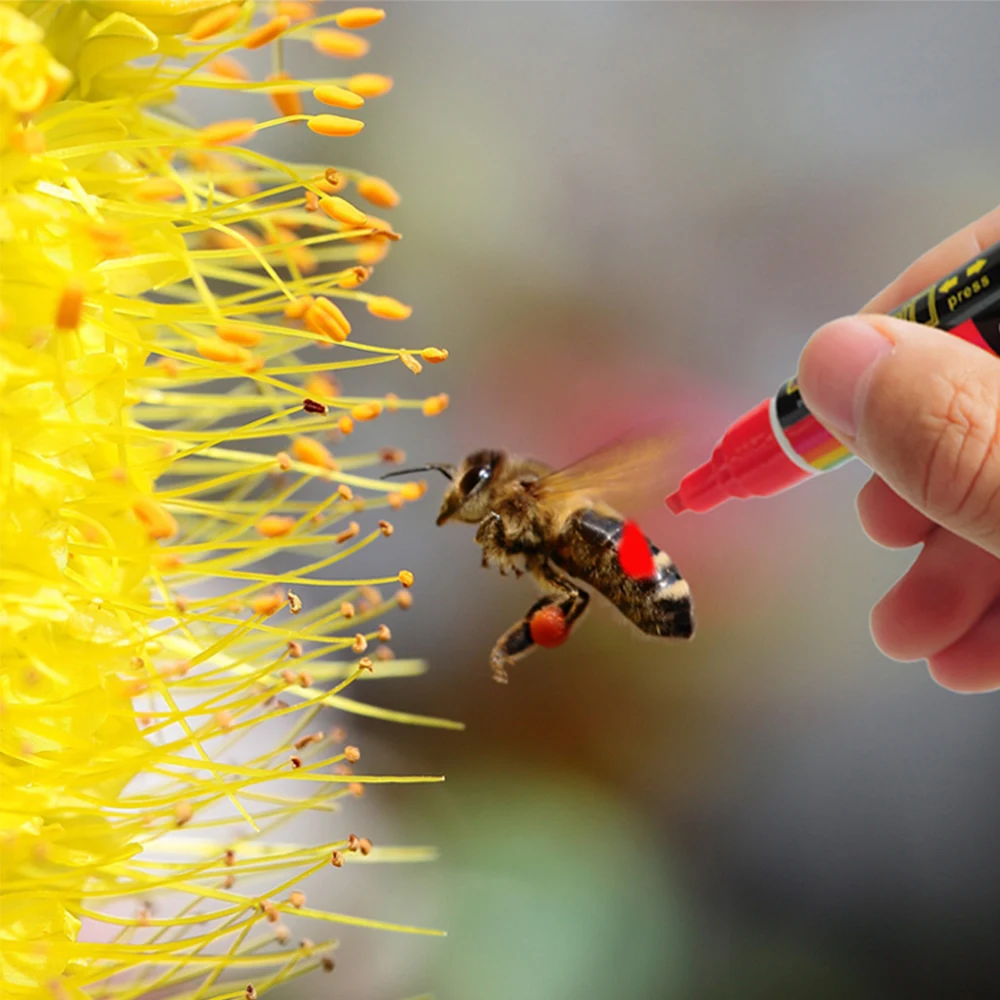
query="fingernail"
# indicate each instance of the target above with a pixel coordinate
(835, 370)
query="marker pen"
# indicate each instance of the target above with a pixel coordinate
(780, 443)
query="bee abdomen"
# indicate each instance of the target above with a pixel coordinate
(659, 604)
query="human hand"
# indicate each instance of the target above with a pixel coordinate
(921, 408)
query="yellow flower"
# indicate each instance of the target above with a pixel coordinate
(160, 677)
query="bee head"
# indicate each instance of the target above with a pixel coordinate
(468, 497)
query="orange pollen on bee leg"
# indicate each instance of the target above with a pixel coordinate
(338, 97)
(370, 84)
(343, 211)
(214, 22)
(378, 191)
(69, 312)
(158, 522)
(340, 44)
(335, 125)
(266, 33)
(287, 100)
(359, 17)
(548, 627)
(386, 307)
(223, 133)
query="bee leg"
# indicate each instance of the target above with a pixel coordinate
(515, 643)
(518, 641)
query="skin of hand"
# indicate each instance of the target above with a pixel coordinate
(921, 408)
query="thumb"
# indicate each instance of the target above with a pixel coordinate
(921, 408)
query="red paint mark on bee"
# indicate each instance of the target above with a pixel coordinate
(548, 627)
(634, 553)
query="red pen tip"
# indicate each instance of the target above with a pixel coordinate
(675, 503)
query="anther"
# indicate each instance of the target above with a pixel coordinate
(274, 525)
(383, 634)
(337, 859)
(360, 643)
(267, 33)
(386, 528)
(294, 603)
(313, 406)
(340, 44)
(378, 191)
(359, 17)
(70, 309)
(352, 754)
(411, 362)
(335, 125)
(294, 649)
(351, 531)
(386, 307)
(304, 741)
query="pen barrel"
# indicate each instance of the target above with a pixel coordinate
(965, 303)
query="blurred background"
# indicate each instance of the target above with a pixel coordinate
(616, 213)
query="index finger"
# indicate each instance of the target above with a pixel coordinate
(936, 263)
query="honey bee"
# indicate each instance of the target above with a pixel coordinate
(560, 527)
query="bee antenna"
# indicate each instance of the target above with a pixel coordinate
(444, 468)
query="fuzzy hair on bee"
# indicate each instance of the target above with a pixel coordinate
(562, 527)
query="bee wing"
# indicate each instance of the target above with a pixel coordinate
(625, 474)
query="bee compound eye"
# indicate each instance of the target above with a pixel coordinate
(473, 478)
